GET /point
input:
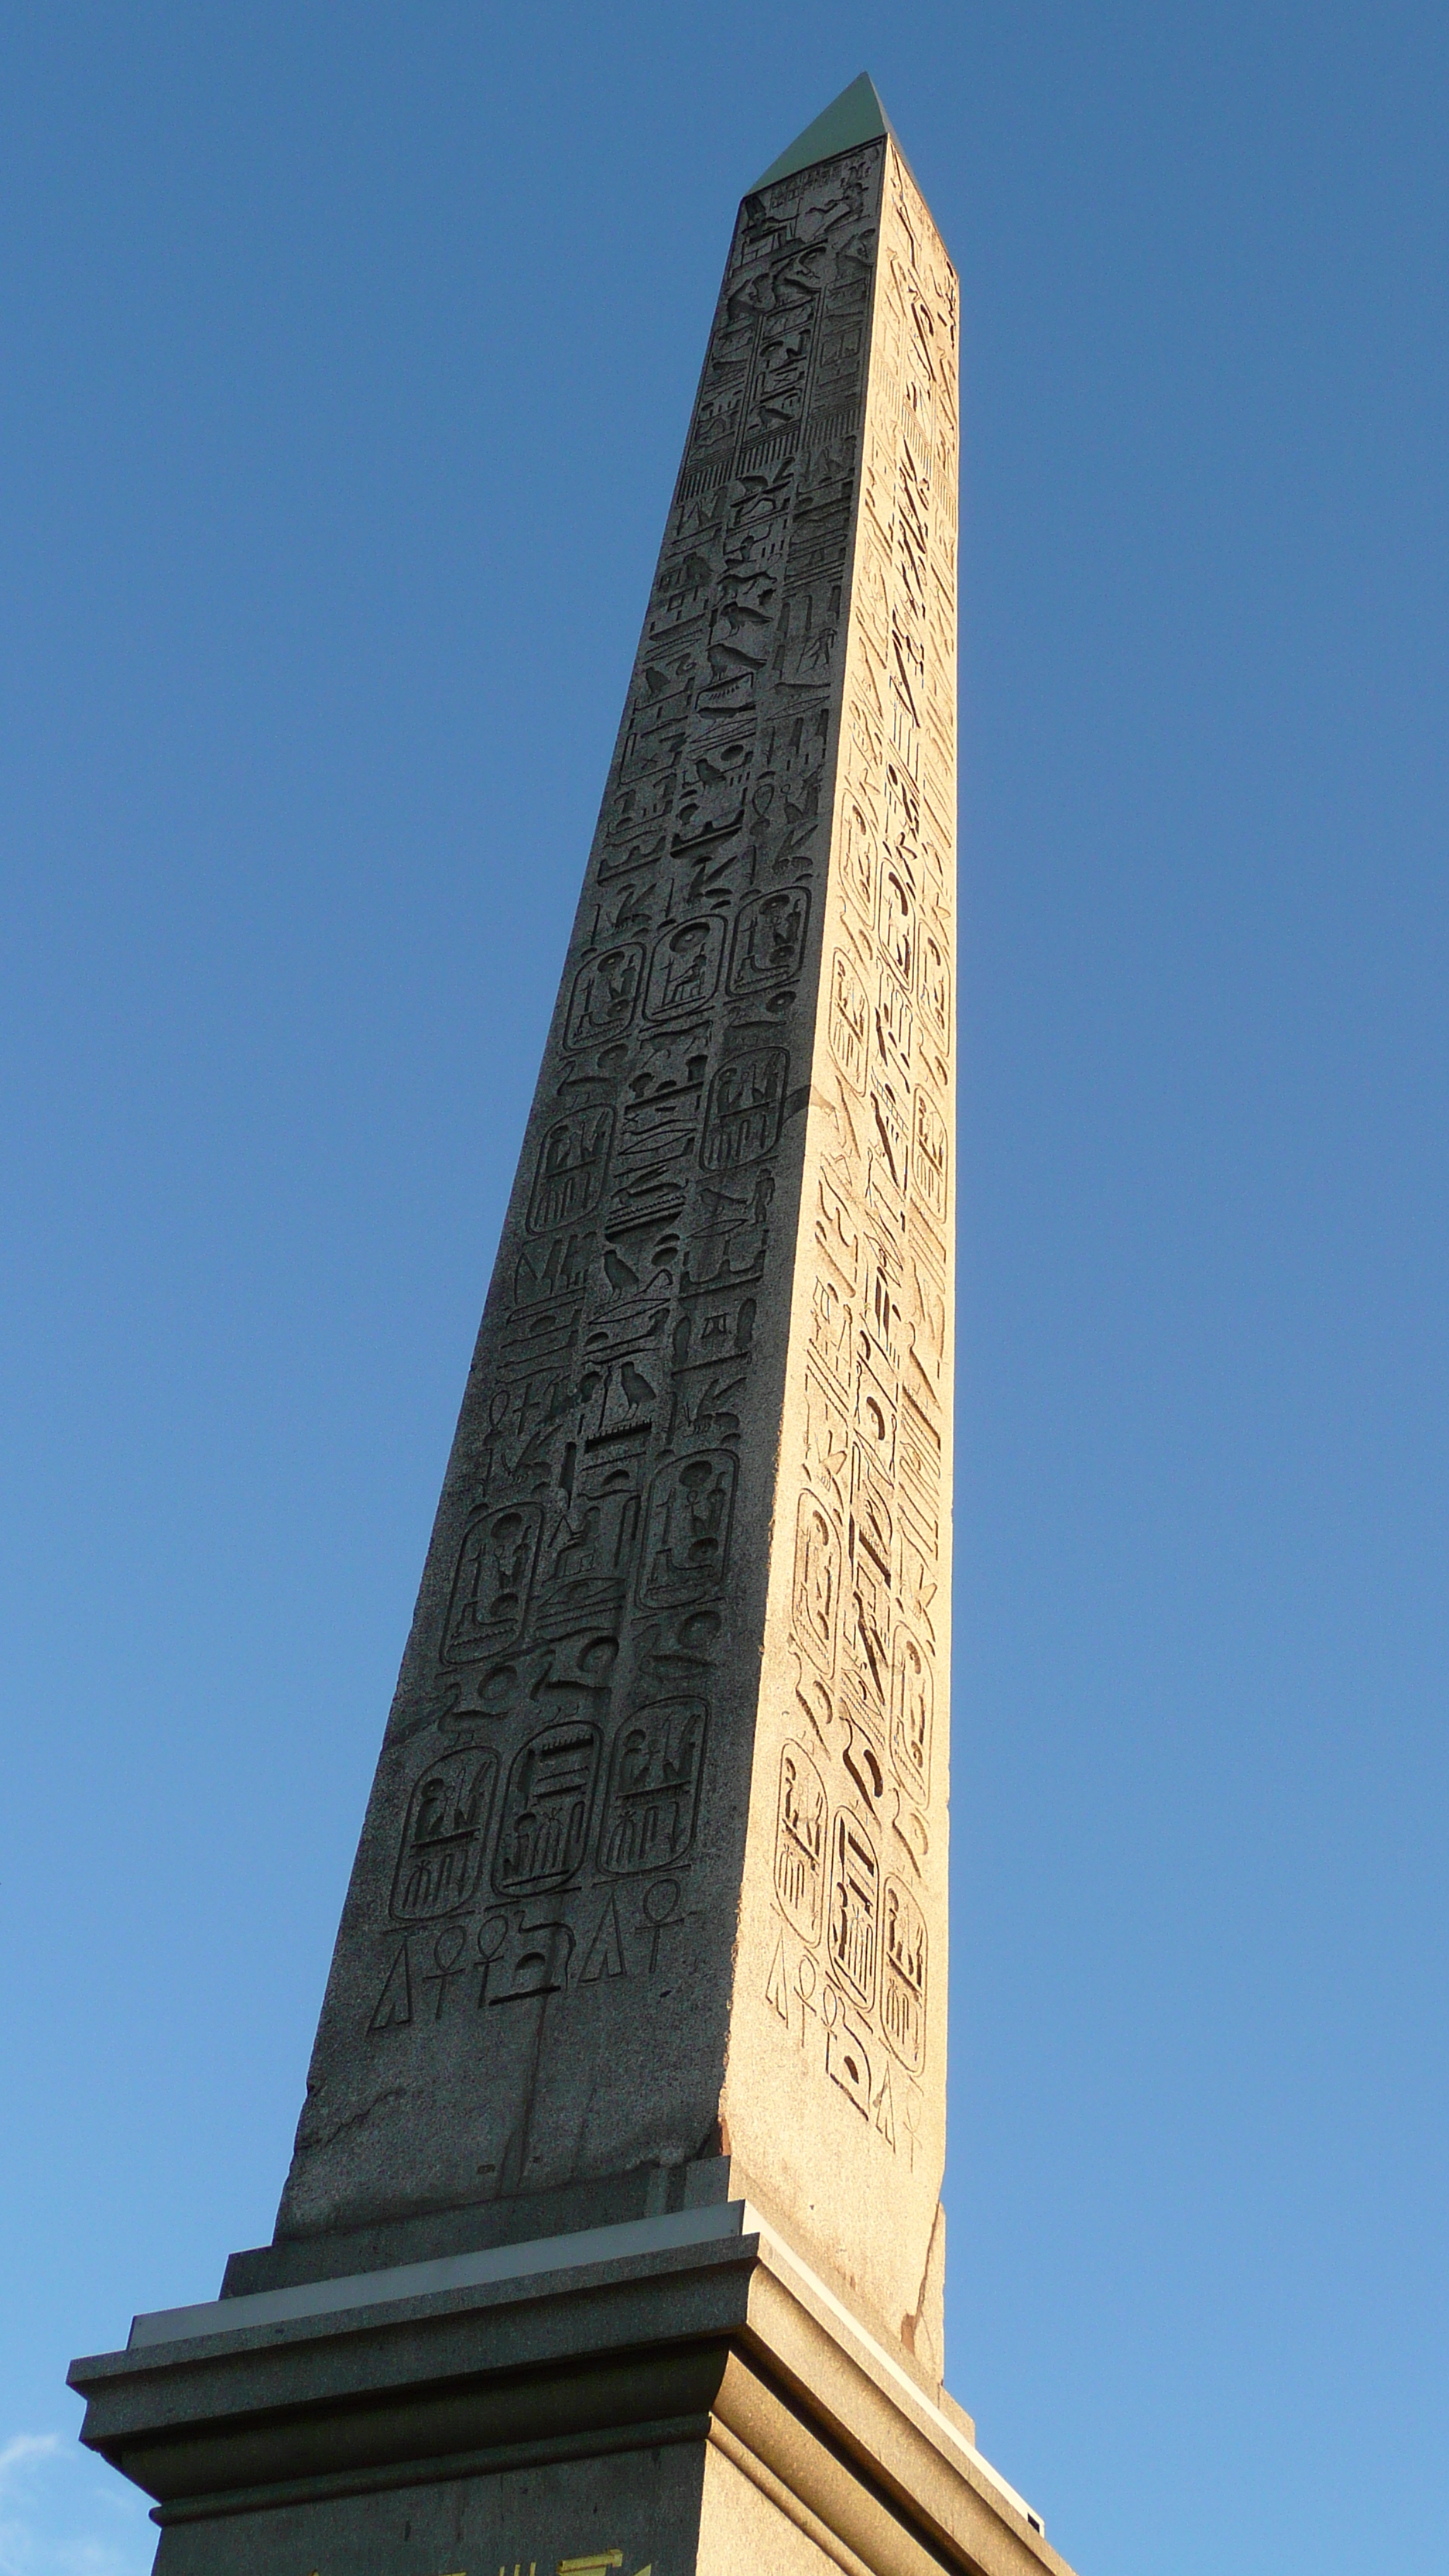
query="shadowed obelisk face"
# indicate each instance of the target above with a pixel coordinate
(655, 1861)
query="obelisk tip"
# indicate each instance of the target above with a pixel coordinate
(857, 116)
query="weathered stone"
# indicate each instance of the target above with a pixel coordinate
(668, 2391)
(655, 1862)
(613, 2222)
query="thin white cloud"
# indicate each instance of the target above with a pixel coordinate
(63, 2514)
(21, 2449)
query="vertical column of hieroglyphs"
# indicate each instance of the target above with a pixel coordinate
(533, 1977)
(843, 1959)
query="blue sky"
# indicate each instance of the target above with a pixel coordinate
(348, 355)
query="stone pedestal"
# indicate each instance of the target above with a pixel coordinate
(678, 2391)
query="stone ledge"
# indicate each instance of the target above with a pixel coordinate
(727, 2339)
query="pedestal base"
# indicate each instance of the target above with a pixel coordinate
(678, 2393)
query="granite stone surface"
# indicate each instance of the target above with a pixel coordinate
(654, 1866)
(608, 2398)
(612, 2237)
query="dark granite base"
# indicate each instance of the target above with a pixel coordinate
(674, 2392)
(622, 2511)
(609, 2200)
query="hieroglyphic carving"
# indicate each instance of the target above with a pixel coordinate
(603, 1440)
(800, 1843)
(870, 1576)
(903, 1996)
(441, 1860)
(491, 1582)
(712, 1389)
(854, 1906)
(570, 1173)
(655, 1773)
(546, 1809)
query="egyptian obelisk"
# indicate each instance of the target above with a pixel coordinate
(613, 2219)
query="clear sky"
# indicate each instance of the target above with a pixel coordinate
(348, 351)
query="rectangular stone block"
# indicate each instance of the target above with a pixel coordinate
(679, 2390)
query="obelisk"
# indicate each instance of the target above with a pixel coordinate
(644, 1953)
